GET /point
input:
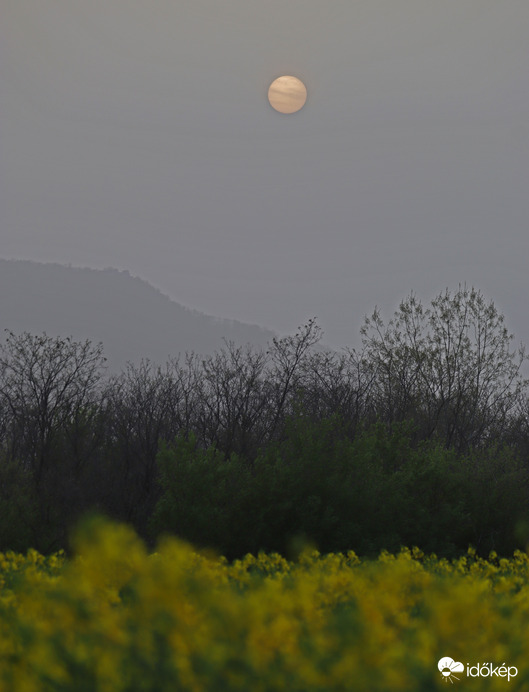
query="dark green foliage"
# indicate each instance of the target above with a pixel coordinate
(202, 493)
(376, 492)
(18, 507)
(497, 484)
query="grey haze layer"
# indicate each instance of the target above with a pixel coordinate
(138, 135)
(132, 319)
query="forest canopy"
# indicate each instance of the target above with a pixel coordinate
(420, 437)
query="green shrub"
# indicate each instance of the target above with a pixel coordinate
(380, 491)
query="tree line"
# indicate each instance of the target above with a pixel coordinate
(419, 437)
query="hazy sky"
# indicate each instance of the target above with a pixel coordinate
(137, 134)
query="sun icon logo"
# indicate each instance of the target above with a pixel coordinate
(448, 667)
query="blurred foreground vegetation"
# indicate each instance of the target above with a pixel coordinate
(114, 618)
(420, 438)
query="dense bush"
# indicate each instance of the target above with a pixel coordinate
(379, 491)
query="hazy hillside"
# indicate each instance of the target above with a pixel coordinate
(132, 318)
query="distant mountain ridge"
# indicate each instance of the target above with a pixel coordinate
(130, 317)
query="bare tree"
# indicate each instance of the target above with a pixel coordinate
(285, 374)
(46, 384)
(143, 411)
(450, 366)
(50, 396)
(335, 384)
(234, 403)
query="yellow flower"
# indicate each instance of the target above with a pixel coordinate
(117, 619)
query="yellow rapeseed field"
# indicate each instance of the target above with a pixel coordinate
(115, 618)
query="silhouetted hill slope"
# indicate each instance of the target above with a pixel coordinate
(132, 318)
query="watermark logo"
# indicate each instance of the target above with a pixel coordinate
(486, 670)
(449, 668)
